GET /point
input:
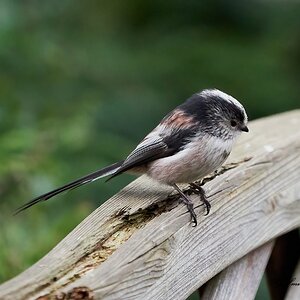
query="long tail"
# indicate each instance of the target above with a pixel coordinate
(72, 185)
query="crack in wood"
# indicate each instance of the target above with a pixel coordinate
(77, 293)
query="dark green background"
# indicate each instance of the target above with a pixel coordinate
(81, 82)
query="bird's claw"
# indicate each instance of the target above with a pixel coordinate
(197, 189)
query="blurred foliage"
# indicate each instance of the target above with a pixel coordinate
(81, 82)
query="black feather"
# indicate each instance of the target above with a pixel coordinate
(72, 185)
(210, 111)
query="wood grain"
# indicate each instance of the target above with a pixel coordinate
(140, 243)
(241, 279)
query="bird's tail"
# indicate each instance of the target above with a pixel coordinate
(72, 185)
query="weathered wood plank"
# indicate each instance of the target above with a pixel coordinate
(130, 248)
(282, 264)
(241, 279)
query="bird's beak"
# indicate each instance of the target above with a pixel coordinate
(244, 128)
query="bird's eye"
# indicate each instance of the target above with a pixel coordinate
(233, 123)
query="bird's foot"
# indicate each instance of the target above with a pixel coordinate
(189, 204)
(197, 189)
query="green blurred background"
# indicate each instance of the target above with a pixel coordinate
(81, 82)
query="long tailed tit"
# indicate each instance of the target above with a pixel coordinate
(190, 142)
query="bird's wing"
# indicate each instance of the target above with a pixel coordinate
(153, 147)
(148, 150)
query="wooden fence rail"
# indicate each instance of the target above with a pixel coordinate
(140, 243)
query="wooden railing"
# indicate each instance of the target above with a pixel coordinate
(140, 243)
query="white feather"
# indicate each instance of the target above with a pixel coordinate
(226, 97)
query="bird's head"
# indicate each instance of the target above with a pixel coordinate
(221, 114)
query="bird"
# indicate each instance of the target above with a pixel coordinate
(190, 142)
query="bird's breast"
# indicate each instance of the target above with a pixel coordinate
(197, 159)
